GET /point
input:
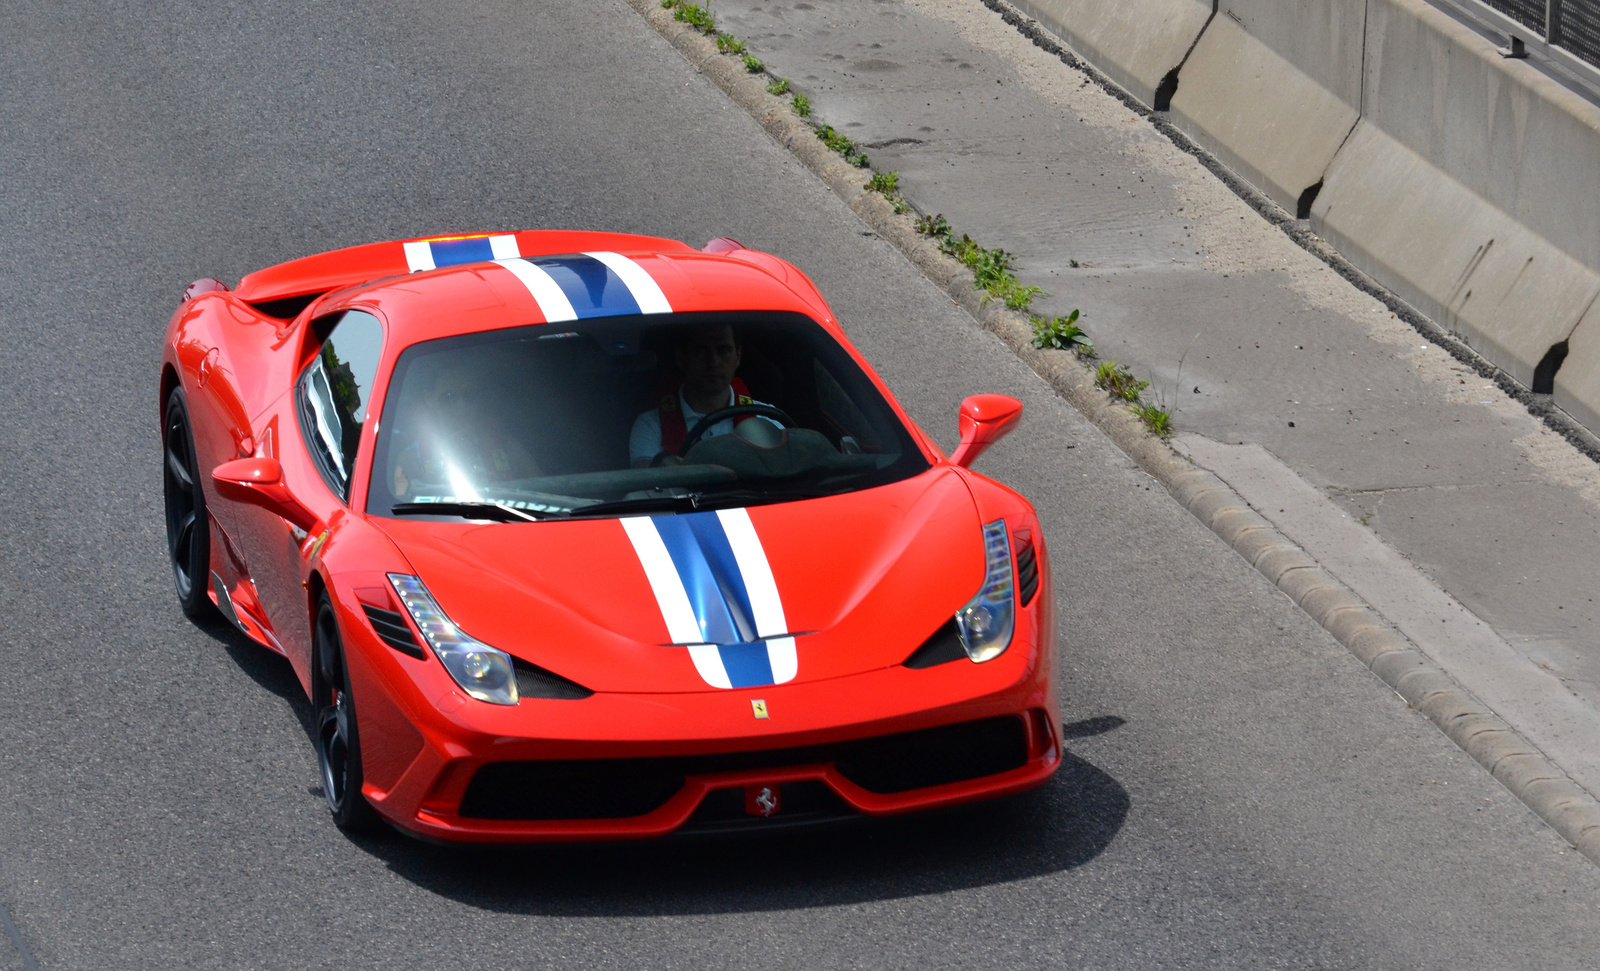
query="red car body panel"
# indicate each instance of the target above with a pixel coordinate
(865, 576)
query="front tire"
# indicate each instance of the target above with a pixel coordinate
(188, 526)
(338, 737)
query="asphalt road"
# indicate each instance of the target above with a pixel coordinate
(1242, 793)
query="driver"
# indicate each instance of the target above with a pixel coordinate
(708, 356)
(452, 443)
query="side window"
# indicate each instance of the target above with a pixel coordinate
(334, 392)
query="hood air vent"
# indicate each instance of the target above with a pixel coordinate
(535, 682)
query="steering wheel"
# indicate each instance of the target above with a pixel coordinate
(723, 414)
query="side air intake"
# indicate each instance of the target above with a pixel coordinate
(392, 630)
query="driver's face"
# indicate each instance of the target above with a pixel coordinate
(709, 357)
(454, 395)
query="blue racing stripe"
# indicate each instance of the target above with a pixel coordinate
(714, 545)
(591, 286)
(709, 571)
(451, 252)
(699, 579)
(748, 665)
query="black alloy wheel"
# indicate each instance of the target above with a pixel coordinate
(188, 529)
(338, 739)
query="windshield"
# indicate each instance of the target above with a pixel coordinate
(649, 413)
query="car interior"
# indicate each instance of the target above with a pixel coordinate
(570, 397)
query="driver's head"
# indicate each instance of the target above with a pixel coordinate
(454, 395)
(708, 355)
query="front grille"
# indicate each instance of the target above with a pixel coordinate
(570, 789)
(808, 801)
(392, 630)
(936, 756)
(620, 788)
(1027, 573)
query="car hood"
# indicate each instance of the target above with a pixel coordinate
(797, 591)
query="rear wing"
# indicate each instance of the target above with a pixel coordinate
(284, 290)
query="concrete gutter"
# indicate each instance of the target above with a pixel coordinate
(1513, 760)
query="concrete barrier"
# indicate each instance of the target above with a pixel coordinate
(1526, 144)
(1472, 188)
(1577, 384)
(1470, 266)
(1466, 182)
(1136, 43)
(1273, 89)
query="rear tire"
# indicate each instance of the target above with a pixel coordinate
(338, 737)
(188, 526)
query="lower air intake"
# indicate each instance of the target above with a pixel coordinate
(621, 788)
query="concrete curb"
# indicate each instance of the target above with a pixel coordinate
(1516, 763)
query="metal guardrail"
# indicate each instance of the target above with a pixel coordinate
(1573, 25)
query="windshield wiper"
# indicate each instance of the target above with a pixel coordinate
(496, 511)
(692, 502)
(688, 502)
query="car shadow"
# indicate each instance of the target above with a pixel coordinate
(265, 667)
(1062, 825)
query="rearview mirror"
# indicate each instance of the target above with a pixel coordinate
(985, 419)
(259, 482)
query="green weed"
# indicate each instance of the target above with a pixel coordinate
(729, 44)
(937, 227)
(753, 64)
(839, 143)
(991, 268)
(887, 183)
(1156, 418)
(779, 87)
(1020, 297)
(694, 15)
(1062, 334)
(801, 105)
(1119, 382)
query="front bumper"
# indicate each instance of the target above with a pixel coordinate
(706, 749)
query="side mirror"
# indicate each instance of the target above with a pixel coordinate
(985, 419)
(259, 482)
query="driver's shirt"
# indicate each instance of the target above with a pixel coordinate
(644, 442)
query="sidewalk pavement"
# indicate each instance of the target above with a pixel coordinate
(1407, 475)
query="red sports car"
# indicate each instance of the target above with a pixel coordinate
(581, 535)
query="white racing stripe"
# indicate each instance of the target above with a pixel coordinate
(646, 293)
(504, 247)
(708, 661)
(784, 659)
(673, 600)
(756, 571)
(762, 590)
(547, 293)
(419, 256)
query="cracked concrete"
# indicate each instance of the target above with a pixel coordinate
(1247, 338)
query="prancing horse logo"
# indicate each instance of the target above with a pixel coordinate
(765, 801)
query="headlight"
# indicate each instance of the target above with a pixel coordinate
(482, 671)
(987, 619)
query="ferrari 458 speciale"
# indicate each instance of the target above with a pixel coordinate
(574, 535)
